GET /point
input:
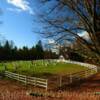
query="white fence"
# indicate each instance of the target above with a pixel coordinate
(73, 78)
(90, 66)
(63, 80)
(28, 80)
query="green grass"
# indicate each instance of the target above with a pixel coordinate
(39, 68)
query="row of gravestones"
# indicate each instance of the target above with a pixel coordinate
(17, 65)
(44, 63)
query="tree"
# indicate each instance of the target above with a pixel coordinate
(10, 52)
(6, 50)
(39, 49)
(65, 19)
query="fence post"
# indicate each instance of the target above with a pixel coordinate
(85, 74)
(18, 77)
(60, 81)
(25, 80)
(35, 81)
(71, 80)
(46, 85)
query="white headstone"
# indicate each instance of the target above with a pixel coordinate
(61, 58)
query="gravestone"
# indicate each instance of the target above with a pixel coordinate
(61, 58)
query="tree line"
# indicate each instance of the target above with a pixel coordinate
(10, 52)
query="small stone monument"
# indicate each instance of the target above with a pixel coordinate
(61, 58)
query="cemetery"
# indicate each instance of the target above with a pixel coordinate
(49, 74)
(49, 49)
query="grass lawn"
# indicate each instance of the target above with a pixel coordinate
(38, 68)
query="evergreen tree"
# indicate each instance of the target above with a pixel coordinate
(39, 50)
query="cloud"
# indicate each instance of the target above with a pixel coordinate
(51, 41)
(14, 10)
(85, 36)
(21, 5)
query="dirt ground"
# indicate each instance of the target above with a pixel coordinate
(14, 90)
(92, 84)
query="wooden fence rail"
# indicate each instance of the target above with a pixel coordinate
(28, 80)
(53, 82)
(71, 78)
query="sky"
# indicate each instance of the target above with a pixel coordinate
(18, 22)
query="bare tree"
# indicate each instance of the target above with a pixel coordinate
(65, 19)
